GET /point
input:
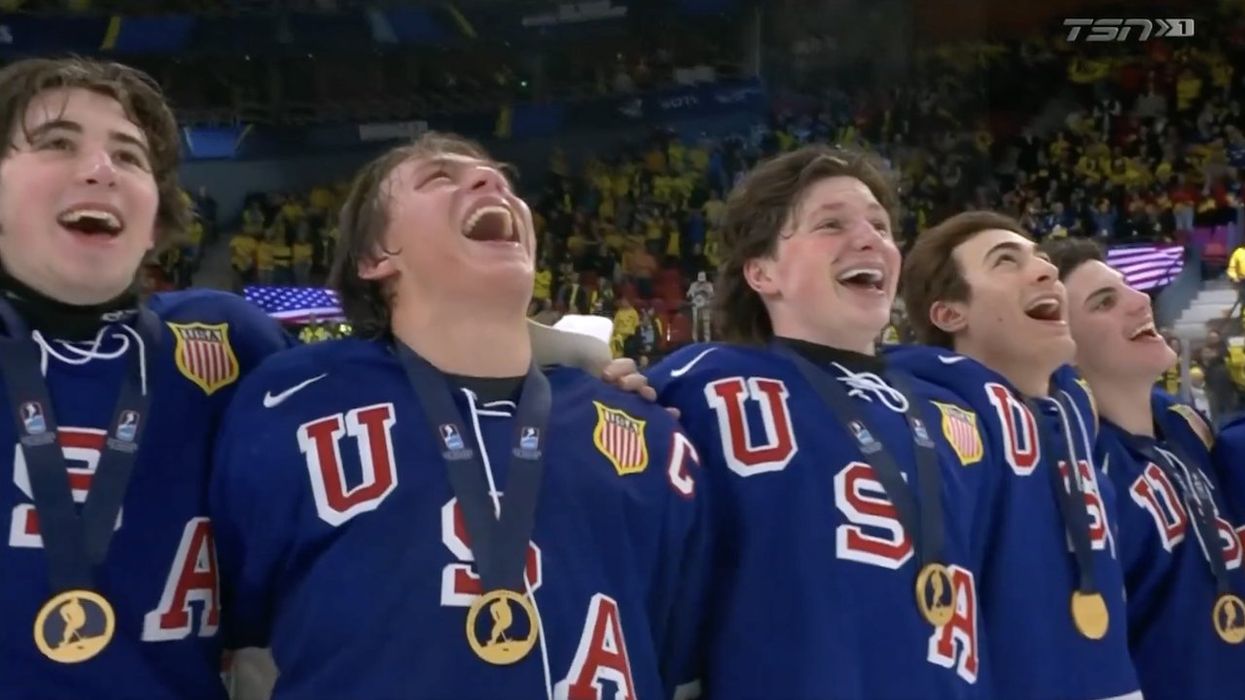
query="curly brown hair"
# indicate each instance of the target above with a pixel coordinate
(139, 96)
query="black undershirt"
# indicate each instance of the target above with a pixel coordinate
(823, 355)
(56, 319)
(490, 389)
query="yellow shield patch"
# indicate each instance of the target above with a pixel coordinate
(1196, 423)
(620, 438)
(204, 356)
(959, 427)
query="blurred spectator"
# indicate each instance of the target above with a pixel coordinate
(700, 293)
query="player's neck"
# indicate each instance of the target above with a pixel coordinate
(1030, 378)
(824, 337)
(465, 341)
(1124, 403)
(59, 319)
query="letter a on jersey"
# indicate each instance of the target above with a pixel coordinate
(959, 427)
(204, 356)
(621, 439)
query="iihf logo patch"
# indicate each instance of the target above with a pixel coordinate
(529, 443)
(451, 438)
(127, 427)
(32, 418)
(922, 435)
(863, 437)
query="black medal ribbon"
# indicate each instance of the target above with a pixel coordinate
(924, 524)
(1070, 497)
(74, 544)
(1199, 505)
(498, 544)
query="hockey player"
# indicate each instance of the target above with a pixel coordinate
(838, 518)
(108, 402)
(422, 512)
(1229, 461)
(1170, 512)
(1051, 586)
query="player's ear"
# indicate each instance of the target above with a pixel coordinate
(377, 267)
(759, 274)
(948, 316)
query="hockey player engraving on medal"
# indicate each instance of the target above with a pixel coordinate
(74, 626)
(934, 590)
(502, 625)
(1229, 618)
(77, 622)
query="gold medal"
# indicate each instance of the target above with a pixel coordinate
(74, 626)
(935, 594)
(1089, 612)
(500, 648)
(1229, 618)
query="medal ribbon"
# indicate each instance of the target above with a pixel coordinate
(1070, 497)
(924, 524)
(74, 544)
(498, 544)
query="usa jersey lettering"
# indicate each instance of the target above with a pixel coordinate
(161, 572)
(357, 493)
(819, 600)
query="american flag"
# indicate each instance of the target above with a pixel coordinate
(296, 304)
(1147, 267)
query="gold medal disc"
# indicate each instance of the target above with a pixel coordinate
(499, 648)
(1229, 618)
(935, 594)
(1089, 612)
(74, 626)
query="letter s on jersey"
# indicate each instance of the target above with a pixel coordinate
(320, 440)
(861, 499)
(730, 399)
(82, 449)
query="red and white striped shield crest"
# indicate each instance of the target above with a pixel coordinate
(204, 356)
(621, 439)
(959, 427)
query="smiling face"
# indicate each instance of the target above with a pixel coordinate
(1015, 313)
(834, 271)
(1113, 326)
(78, 199)
(455, 231)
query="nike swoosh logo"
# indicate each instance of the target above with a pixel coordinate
(272, 400)
(951, 359)
(687, 367)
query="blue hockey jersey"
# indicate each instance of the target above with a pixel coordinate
(1229, 465)
(160, 574)
(1022, 552)
(1171, 590)
(342, 546)
(813, 595)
